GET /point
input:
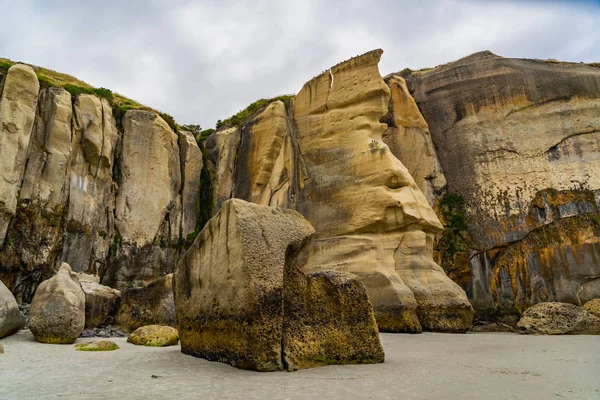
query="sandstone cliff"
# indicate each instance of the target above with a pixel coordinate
(324, 155)
(518, 143)
(86, 181)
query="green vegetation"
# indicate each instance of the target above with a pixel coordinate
(100, 345)
(77, 90)
(246, 114)
(405, 72)
(5, 64)
(452, 206)
(453, 245)
(119, 103)
(189, 239)
(169, 120)
(203, 135)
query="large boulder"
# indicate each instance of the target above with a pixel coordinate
(57, 311)
(152, 304)
(100, 301)
(240, 299)
(328, 319)
(11, 319)
(554, 318)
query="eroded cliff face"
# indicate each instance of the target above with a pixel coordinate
(324, 156)
(75, 187)
(518, 142)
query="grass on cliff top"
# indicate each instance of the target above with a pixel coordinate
(120, 104)
(249, 112)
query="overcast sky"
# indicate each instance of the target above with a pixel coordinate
(204, 60)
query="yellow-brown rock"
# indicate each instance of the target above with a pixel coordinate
(409, 139)
(191, 167)
(262, 139)
(368, 213)
(148, 203)
(150, 176)
(251, 307)
(17, 112)
(593, 307)
(553, 318)
(154, 336)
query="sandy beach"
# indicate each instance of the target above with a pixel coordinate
(426, 366)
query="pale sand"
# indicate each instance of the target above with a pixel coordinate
(426, 366)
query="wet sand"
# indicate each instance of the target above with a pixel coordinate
(426, 366)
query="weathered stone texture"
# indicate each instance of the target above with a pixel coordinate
(368, 212)
(148, 203)
(519, 141)
(191, 168)
(241, 306)
(10, 316)
(409, 140)
(558, 319)
(154, 336)
(57, 311)
(17, 113)
(152, 304)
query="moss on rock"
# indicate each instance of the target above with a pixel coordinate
(154, 336)
(98, 345)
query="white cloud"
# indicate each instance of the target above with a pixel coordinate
(203, 61)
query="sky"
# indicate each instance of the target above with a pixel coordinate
(201, 61)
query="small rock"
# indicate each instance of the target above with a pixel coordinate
(98, 345)
(1, 349)
(593, 307)
(155, 336)
(553, 318)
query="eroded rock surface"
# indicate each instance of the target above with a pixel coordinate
(409, 139)
(10, 316)
(57, 311)
(325, 156)
(152, 304)
(100, 302)
(17, 113)
(518, 140)
(112, 194)
(554, 318)
(154, 336)
(593, 307)
(231, 304)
